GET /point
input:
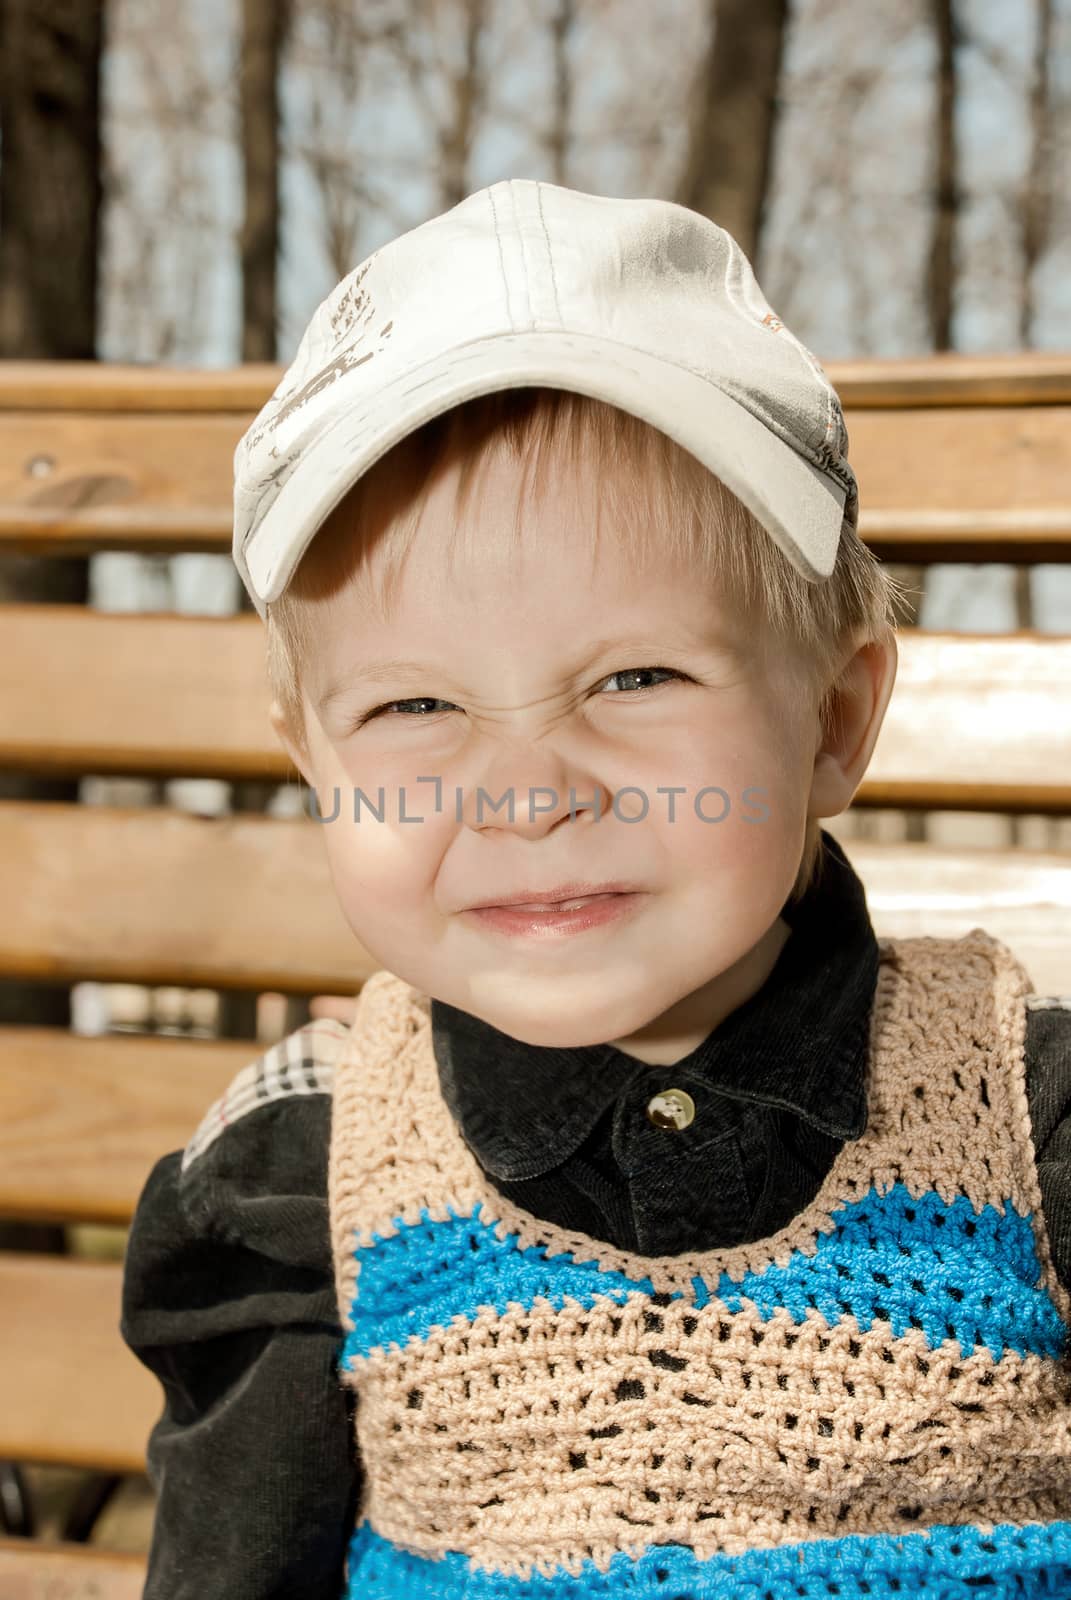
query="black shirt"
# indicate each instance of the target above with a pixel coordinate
(228, 1289)
(778, 1087)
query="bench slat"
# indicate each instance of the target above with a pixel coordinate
(227, 902)
(38, 1569)
(1022, 897)
(93, 466)
(977, 721)
(144, 693)
(907, 534)
(83, 1121)
(163, 481)
(1012, 537)
(1001, 458)
(71, 1393)
(1020, 377)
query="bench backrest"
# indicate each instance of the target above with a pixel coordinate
(959, 460)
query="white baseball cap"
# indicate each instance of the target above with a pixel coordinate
(642, 303)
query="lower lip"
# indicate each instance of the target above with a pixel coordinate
(553, 924)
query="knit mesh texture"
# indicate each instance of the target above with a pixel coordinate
(874, 1400)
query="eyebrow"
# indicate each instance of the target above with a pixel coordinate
(383, 671)
(375, 672)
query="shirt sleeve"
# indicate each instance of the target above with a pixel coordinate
(1048, 1067)
(229, 1298)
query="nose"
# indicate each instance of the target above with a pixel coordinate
(529, 791)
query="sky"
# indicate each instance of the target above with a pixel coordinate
(848, 221)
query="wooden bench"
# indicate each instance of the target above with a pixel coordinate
(68, 1572)
(959, 460)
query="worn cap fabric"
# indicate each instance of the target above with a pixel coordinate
(642, 303)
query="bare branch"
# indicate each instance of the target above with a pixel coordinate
(946, 194)
(562, 21)
(1036, 205)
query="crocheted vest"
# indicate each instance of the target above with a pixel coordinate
(874, 1400)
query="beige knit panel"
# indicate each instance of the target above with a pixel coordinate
(947, 1111)
(393, 1140)
(537, 1438)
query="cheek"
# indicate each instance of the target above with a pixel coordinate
(383, 869)
(744, 785)
(373, 858)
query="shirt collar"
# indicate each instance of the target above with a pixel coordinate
(800, 1043)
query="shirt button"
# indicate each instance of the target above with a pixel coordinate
(671, 1108)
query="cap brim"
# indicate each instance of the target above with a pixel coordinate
(801, 507)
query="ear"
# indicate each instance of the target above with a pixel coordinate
(862, 692)
(297, 756)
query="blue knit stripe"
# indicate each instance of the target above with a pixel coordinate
(916, 1262)
(945, 1562)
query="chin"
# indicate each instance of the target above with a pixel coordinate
(556, 1041)
(570, 1032)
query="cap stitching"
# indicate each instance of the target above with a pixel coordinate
(501, 258)
(530, 321)
(550, 255)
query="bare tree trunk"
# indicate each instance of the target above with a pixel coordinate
(1035, 203)
(50, 192)
(1036, 223)
(468, 90)
(1037, 190)
(940, 284)
(561, 25)
(50, 183)
(946, 194)
(733, 117)
(263, 26)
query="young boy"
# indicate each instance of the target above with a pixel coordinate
(653, 1229)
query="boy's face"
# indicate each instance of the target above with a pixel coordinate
(525, 687)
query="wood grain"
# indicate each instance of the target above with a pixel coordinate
(34, 1569)
(1025, 377)
(83, 1121)
(154, 895)
(71, 1393)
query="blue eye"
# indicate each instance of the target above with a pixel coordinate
(639, 672)
(388, 708)
(421, 700)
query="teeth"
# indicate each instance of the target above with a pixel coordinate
(559, 905)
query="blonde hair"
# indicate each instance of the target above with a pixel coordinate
(664, 502)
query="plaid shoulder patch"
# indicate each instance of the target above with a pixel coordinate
(302, 1063)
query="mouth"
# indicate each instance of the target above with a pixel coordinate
(555, 919)
(565, 896)
(551, 905)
